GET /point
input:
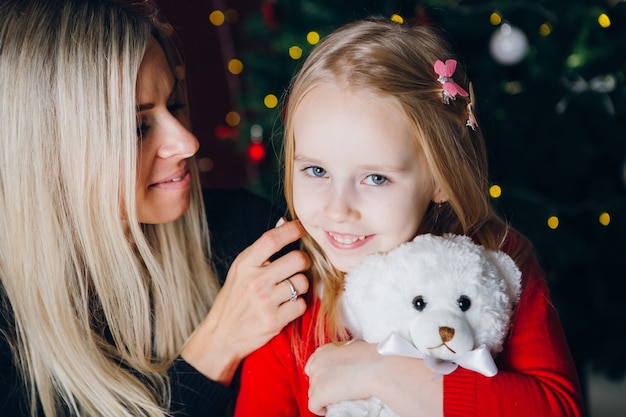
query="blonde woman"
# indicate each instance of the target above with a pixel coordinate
(109, 300)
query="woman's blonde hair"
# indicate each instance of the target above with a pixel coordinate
(396, 61)
(99, 304)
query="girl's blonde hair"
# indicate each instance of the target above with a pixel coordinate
(99, 304)
(396, 61)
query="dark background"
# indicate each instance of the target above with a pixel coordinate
(554, 122)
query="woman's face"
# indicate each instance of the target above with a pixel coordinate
(360, 183)
(163, 189)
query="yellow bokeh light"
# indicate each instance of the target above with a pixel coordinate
(553, 222)
(233, 119)
(313, 38)
(217, 18)
(397, 18)
(495, 191)
(604, 219)
(545, 29)
(495, 18)
(270, 101)
(235, 66)
(295, 52)
(604, 20)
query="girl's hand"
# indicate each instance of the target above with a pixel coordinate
(253, 305)
(357, 371)
(335, 371)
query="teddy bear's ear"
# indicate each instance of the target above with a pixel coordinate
(509, 271)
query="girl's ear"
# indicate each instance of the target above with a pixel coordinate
(439, 196)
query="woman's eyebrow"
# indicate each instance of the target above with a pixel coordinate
(148, 106)
(142, 107)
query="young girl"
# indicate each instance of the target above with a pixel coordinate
(381, 144)
(106, 274)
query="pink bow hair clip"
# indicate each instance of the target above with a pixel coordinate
(471, 117)
(450, 88)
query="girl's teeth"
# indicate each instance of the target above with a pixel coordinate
(345, 240)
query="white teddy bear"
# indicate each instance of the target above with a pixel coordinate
(440, 298)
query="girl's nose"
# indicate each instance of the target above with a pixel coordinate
(341, 206)
(177, 140)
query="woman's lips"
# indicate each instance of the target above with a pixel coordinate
(182, 180)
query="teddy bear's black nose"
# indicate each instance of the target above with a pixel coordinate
(446, 334)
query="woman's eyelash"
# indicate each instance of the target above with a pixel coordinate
(142, 128)
(176, 107)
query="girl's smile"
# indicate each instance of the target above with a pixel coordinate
(346, 241)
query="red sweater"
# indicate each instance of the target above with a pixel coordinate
(536, 374)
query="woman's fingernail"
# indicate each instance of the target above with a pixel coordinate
(280, 222)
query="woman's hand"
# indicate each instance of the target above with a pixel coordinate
(253, 306)
(357, 371)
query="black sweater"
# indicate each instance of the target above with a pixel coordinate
(236, 219)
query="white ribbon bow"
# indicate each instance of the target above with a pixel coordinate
(477, 360)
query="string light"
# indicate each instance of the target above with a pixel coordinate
(295, 52)
(235, 66)
(495, 191)
(495, 18)
(604, 20)
(553, 222)
(397, 18)
(270, 101)
(313, 38)
(217, 18)
(604, 219)
(545, 29)
(233, 119)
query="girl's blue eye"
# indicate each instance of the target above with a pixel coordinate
(316, 171)
(376, 179)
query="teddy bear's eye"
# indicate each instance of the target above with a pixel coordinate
(419, 303)
(464, 303)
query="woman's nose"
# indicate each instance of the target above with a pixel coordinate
(177, 140)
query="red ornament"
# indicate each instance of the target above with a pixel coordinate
(256, 152)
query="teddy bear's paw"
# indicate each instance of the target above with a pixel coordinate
(371, 407)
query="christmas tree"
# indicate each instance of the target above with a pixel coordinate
(549, 80)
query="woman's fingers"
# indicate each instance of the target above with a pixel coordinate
(253, 305)
(272, 242)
